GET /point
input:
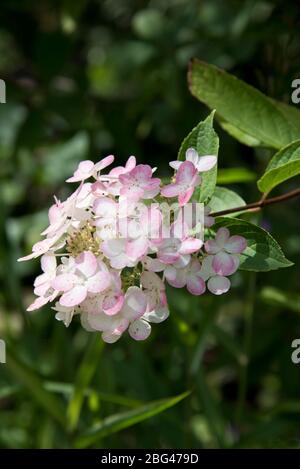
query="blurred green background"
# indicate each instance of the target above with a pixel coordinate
(89, 78)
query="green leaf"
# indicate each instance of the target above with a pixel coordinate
(235, 175)
(205, 140)
(263, 253)
(244, 108)
(118, 422)
(224, 199)
(29, 378)
(285, 299)
(84, 376)
(239, 135)
(284, 165)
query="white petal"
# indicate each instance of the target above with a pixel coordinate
(139, 330)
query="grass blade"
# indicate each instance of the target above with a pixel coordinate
(117, 422)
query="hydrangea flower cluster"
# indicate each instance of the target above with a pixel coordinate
(106, 257)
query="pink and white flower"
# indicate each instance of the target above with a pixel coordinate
(188, 276)
(89, 276)
(201, 163)
(225, 250)
(186, 180)
(139, 184)
(216, 284)
(88, 168)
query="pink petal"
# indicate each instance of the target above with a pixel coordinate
(236, 244)
(98, 189)
(218, 285)
(74, 297)
(175, 277)
(48, 262)
(86, 263)
(206, 163)
(185, 173)
(135, 303)
(104, 162)
(82, 172)
(152, 184)
(168, 257)
(86, 166)
(154, 265)
(132, 193)
(142, 172)
(171, 190)
(184, 197)
(139, 329)
(190, 245)
(105, 207)
(130, 163)
(211, 247)
(113, 247)
(195, 266)
(38, 303)
(137, 248)
(195, 285)
(110, 338)
(222, 237)
(175, 164)
(224, 264)
(192, 155)
(112, 304)
(157, 315)
(64, 282)
(98, 282)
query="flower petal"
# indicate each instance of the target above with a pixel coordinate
(224, 264)
(218, 285)
(206, 163)
(190, 245)
(74, 297)
(236, 244)
(192, 155)
(104, 162)
(175, 164)
(139, 329)
(195, 285)
(137, 248)
(185, 196)
(64, 282)
(110, 338)
(48, 263)
(112, 304)
(38, 303)
(98, 282)
(185, 173)
(158, 315)
(135, 303)
(171, 190)
(175, 277)
(211, 247)
(86, 263)
(222, 237)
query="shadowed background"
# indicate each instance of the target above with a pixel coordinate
(89, 78)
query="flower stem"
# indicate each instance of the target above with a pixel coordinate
(259, 204)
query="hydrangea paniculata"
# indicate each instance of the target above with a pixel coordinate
(105, 256)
